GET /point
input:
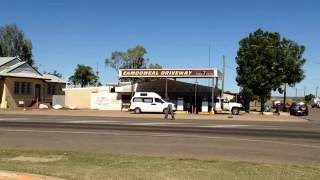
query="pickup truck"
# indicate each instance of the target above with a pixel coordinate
(222, 104)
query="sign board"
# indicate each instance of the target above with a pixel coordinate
(170, 73)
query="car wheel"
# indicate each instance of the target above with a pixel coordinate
(235, 111)
(137, 110)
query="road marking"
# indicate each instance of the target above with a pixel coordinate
(154, 123)
(226, 126)
(89, 121)
(14, 119)
(240, 126)
(163, 135)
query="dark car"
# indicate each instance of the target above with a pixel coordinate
(299, 109)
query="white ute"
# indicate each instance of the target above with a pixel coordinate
(148, 102)
(224, 105)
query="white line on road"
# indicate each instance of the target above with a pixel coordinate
(163, 135)
(226, 126)
(89, 121)
(155, 123)
(14, 119)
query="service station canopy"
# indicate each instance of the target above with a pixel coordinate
(170, 73)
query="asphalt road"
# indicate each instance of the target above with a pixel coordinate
(276, 142)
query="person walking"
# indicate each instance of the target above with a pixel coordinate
(169, 110)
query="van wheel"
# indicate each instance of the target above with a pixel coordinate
(137, 110)
(235, 111)
(164, 110)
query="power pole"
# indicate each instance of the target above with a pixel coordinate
(223, 74)
(304, 91)
(296, 93)
(209, 63)
(317, 91)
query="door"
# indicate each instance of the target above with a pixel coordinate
(148, 105)
(158, 105)
(37, 91)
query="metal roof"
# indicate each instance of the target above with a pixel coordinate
(4, 60)
(53, 78)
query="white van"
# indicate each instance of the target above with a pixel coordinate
(148, 102)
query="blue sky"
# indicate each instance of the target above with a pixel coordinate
(177, 34)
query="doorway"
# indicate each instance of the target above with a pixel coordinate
(37, 91)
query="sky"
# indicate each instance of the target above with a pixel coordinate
(176, 33)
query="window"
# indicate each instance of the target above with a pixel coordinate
(28, 88)
(137, 100)
(51, 89)
(143, 94)
(158, 100)
(113, 89)
(22, 87)
(147, 100)
(16, 87)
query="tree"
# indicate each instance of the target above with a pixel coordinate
(133, 58)
(14, 43)
(293, 61)
(309, 97)
(55, 73)
(154, 66)
(84, 76)
(262, 63)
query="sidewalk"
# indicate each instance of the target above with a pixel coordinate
(9, 175)
(125, 114)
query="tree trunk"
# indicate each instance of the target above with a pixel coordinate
(284, 97)
(262, 100)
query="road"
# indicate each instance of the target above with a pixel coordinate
(276, 142)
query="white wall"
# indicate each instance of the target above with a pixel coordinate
(104, 100)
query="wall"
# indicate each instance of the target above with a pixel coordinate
(13, 99)
(1, 89)
(104, 100)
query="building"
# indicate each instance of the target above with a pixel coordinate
(23, 85)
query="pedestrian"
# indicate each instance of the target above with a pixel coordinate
(169, 109)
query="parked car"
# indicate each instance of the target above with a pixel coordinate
(149, 102)
(299, 109)
(315, 102)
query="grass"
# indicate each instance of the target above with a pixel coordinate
(79, 165)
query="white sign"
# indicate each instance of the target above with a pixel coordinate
(103, 100)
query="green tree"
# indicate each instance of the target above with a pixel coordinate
(14, 43)
(133, 58)
(309, 97)
(263, 63)
(84, 75)
(154, 66)
(293, 61)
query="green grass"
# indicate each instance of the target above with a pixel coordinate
(78, 165)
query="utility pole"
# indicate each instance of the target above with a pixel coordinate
(97, 74)
(317, 91)
(209, 55)
(195, 97)
(223, 74)
(209, 63)
(304, 91)
(285, 95)
(296, 93)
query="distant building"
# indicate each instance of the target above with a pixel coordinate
(22, 85)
